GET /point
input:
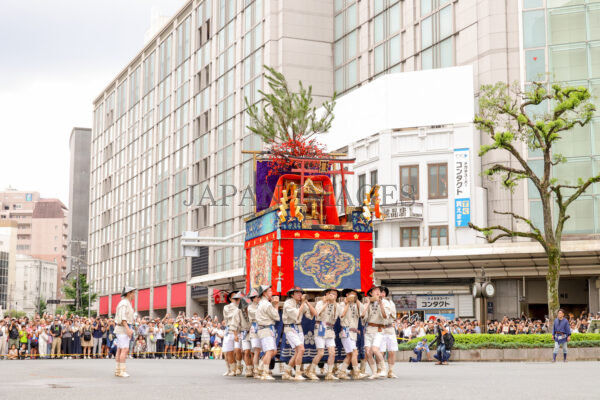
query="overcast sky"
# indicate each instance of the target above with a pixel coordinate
(55, 59)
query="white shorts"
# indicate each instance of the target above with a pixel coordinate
(349, 345)
(237, 344)
(255, 343)
(123, 341)
(373, 339)
(322, 342)
(388, 343)
(268, 343)
(294, 338)
(228, 343)
(246, 345)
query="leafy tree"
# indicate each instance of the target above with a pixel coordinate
(41, 307)
(505, 116)
(288, 116)
(70, 290)
(15, 314)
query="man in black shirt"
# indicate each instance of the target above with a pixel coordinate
(13, 334)
(56, 332)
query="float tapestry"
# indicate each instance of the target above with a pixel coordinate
(319, 264)
(261, 263)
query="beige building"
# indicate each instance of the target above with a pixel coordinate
(41, 227)
(35, 279)
(8, 251)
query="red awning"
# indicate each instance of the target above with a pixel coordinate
(103, 305)
(115, 299)
(178, 295)
(160, 298)
(143, 300)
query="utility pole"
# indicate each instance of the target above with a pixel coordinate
(39, 301)
(78, 289)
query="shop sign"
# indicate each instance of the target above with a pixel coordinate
(435, 302)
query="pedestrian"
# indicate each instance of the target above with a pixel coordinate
(389, 342)
(43, 343)
(67, 340)
(3, 339)
(561, 333)
(445, 342)
(253, 334)
(56, 330)
(13, 334)
(419, 349)
(124, 320)
(98, 330)
(86, 340)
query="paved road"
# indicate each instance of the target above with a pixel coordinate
(202, 379)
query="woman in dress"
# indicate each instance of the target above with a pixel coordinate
(77, 339)
(86, 339)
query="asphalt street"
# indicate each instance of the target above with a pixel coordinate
(202, 379)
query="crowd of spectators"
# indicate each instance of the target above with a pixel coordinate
(59, 336)
(506, 326)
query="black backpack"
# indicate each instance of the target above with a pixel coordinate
(87, 335)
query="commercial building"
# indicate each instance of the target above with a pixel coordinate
(41, 227)
(35, 280)
(79, 199)
(8, 251)
(174, 116)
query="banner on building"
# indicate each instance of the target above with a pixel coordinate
(462, 187)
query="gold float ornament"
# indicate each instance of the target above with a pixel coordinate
(282, 213)
(367, 209)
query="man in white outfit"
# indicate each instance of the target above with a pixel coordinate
(123, 331)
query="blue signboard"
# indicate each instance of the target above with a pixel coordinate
(462, 212)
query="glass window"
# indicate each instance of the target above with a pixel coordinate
(534, 29)
(425, 7)
(582, 219)
(569, 172)
(568, 62)
(446, 53)
(535, 64)
(594, 18)
(351, 17)
(339, 4)
(438, 181)
(409, 182)
(532, 4)
(538, 168)
(352, 69)
(379, 28)
(338, 55)
(395, 18)
(351, 44)
(595, 60)
(575, 142)
(339, 26)
(395, 50)
(566, 25)
(373, 178)
(426, 33)
(362, 183)
(438, 235)
(536, 214)
(410, 237)
(379, 58)
(446, 25)
(427, 59)
(378, 6)
(562, 3)
(339, 80)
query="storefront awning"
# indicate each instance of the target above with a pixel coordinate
(580, 257)
(231, 279)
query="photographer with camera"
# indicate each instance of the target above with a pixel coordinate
(444, 340)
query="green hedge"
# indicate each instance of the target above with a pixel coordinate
(496, 341)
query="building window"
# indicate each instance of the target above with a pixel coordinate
(362, 183)
(436, 35)
(534, 32)
(373, 178)
(346, 46)
(410, 236)
(438, 235)
(438, 181)
(409, 182)
(387, 24)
